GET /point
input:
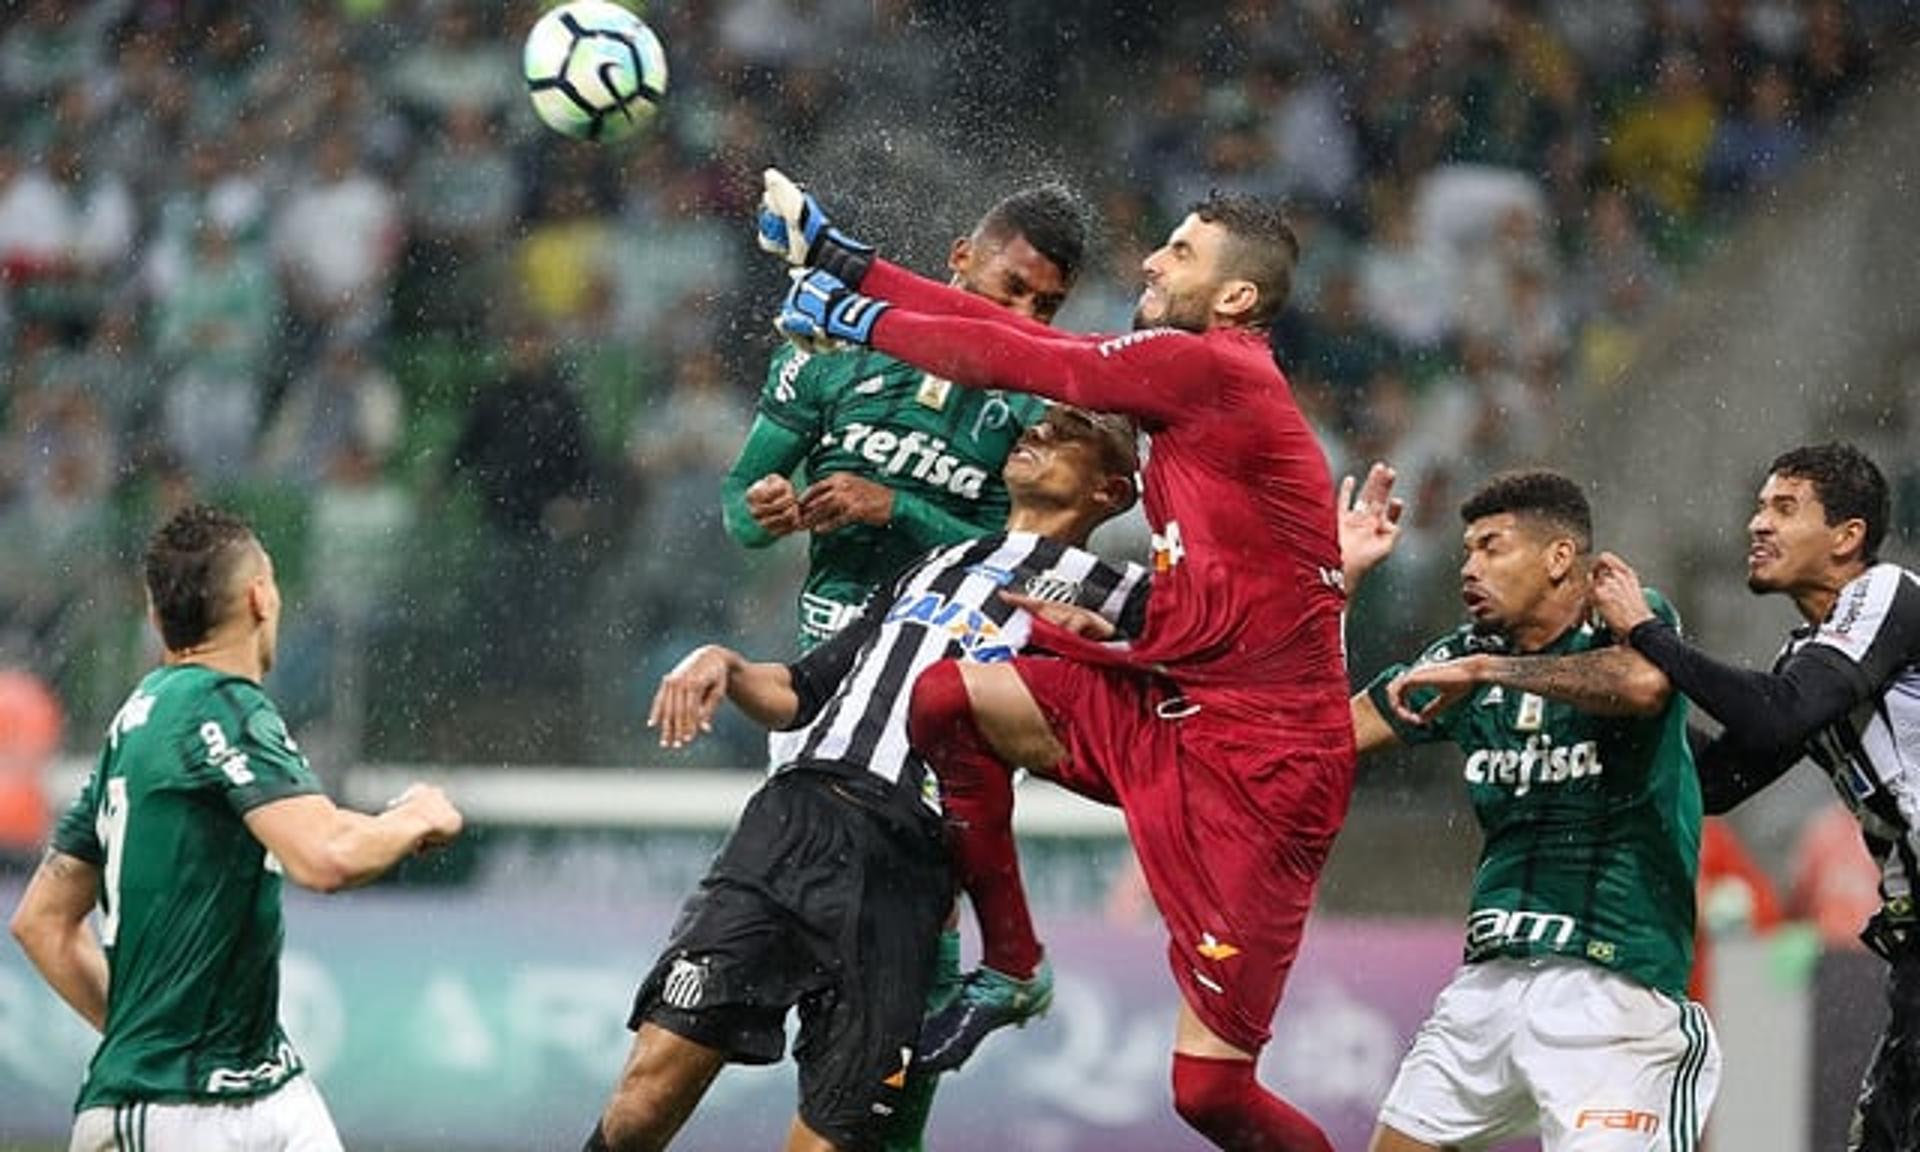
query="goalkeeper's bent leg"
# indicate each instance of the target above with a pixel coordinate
(1221, 1100)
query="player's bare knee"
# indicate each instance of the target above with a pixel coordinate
(1007, 717)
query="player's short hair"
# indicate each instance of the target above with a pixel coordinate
(1539, 494)
(1849, 484)
(1115, 438)
(1052, 217)
(1261, 247)
(189, 565)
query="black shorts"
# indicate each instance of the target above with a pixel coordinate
(1887, 1115)
(828, 897)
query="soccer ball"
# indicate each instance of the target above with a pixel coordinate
(595, 72)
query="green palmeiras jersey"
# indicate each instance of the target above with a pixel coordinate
(189, 900)
(937, 447)
(1591, 823)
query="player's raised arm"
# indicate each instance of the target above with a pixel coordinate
(1776, 710)
(328, 848)
(1369, 523)
(1158, 375)
(907, 289)
(792, 225)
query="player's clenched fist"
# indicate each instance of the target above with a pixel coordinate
(774, 505)
(1616, 594)
(430, 805)
(841, 498)
(791, 225)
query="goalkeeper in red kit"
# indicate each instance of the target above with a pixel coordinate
(1223, 729)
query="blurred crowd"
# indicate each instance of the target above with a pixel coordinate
(477, 384)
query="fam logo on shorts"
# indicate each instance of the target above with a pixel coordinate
(1618, 1120)
(686, 984)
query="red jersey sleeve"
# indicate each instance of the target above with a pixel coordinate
(896, 285)
(1159, 375)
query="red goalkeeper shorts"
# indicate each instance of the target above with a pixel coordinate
(1232, 822)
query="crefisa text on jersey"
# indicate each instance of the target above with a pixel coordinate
(1540, 762)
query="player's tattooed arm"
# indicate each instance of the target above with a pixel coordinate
(52, 927)
(1606, 682)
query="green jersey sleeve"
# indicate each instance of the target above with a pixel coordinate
(772, 448)
(247, 753)
(794, 395)
(77, 833)
(1438, 730)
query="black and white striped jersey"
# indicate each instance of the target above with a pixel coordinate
(855, 688)
(1872, 752)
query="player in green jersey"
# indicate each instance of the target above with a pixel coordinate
(1570, 1012)
(892, 462)
(198, 805)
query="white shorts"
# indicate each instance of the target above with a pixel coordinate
(291, 1118)
(1590, 1059)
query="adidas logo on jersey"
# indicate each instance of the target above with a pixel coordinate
(915, 454)
(1537, 763)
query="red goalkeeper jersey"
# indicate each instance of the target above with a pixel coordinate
(1245, 606)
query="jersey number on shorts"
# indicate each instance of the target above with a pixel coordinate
(111, 827)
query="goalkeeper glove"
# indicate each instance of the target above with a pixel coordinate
(793, 227)
(820, 311)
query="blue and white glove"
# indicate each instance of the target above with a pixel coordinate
(821, 312)
(793, 227)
